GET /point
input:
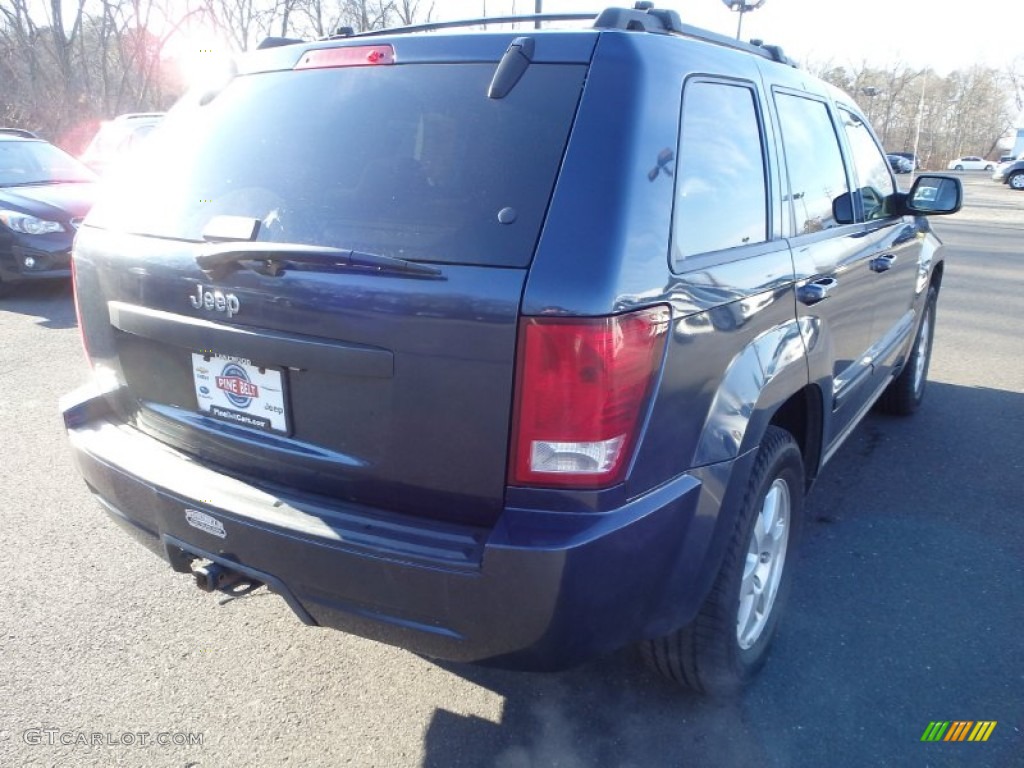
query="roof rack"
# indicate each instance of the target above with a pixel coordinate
(774, 51)
(435, 25)
(20, 132)
(642, 17)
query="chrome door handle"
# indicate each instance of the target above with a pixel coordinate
(883, 263)
(817, 291)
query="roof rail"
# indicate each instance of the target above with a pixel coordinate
(775, 51)
(20, 132)
(435, 25)
(642, 17)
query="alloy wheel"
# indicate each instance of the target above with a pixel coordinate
(766, 558)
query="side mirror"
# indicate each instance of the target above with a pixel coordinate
(932, 195)
(842, 209)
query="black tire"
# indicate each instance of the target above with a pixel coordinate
(990, 167)
(1016, 180)
(904, 395)
(958, 168)
(707, 656)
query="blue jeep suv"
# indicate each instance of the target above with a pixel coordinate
(469, 342)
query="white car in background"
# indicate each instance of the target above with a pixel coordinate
(1005, 162)
(971, 164)
(116, 138)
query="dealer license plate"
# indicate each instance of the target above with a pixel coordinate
(233, 389)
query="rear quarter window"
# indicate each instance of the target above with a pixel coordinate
(721, 197)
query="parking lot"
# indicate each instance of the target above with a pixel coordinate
(907, 607)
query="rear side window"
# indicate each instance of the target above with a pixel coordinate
(817, 175)
(721, 199)
(874, 182)
(408, 160)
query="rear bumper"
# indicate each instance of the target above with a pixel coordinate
(540, 590)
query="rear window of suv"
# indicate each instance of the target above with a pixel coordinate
(413, 161)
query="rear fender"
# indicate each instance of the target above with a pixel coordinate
(763, 376)
(758, 380)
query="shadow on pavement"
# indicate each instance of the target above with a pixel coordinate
(906, 609)
(51, 302)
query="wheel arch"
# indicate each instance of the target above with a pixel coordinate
(767, 384)
(936, 278)
(802, 416)
(761, 378)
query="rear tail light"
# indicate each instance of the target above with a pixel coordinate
(582, 389)
(347, 56)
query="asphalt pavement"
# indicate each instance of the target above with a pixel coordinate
(907, 607)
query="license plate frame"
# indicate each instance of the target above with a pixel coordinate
(237, 391)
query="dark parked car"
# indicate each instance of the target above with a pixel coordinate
(44, 194)
(531, 375)
(1011, 174)
(22, 132)
(900, 164)
(915, 161)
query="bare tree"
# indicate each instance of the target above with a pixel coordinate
(410, 12)
(244, 22)
(1015, 76)
(963, 113)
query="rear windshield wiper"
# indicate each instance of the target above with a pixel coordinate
(273, 259)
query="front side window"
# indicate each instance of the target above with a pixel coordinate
(817, 175)
(721, 192)
(874, 182)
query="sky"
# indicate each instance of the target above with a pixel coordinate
(941, 34)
